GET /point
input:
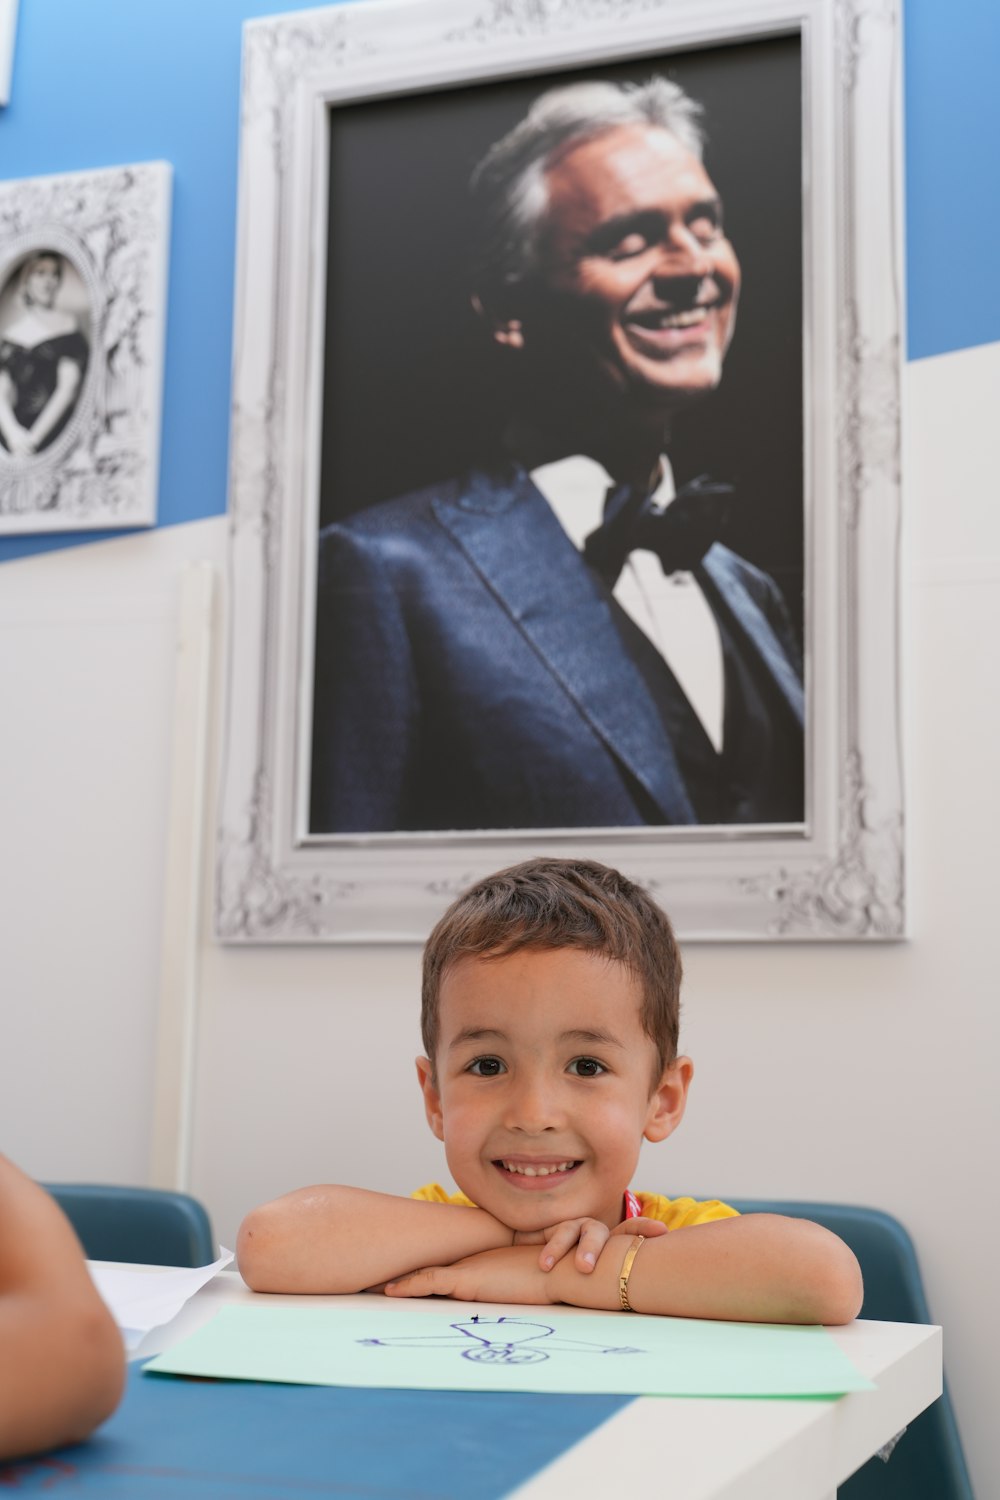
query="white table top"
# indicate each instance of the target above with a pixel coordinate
(719, 1449)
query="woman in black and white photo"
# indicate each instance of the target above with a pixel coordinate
(43, 355)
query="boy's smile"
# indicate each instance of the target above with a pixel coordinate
(546, 1084)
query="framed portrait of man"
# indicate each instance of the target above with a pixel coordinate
(573, 430)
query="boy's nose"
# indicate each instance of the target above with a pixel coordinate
(533, 1107)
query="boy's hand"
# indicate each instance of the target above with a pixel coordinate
(509, 1275)
(588, 1235)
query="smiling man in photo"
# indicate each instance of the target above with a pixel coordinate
(563, 639)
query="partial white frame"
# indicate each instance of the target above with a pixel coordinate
(838, 876)
(8, 31)
(113, 225)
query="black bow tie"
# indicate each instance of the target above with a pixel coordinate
(680, 535)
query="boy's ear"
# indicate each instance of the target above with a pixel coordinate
(432, 1099)
(669, 1098)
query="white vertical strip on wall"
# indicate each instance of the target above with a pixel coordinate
(170, 1153)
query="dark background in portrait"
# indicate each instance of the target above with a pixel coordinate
(412, 392)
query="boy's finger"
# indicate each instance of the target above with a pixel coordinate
(592, 1241)
(648, 1228)
(423, 1283)
(562, 1240)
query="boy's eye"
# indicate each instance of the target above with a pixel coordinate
(587, 1067)
(486, 1067)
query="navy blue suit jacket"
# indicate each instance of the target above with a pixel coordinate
(471, 673)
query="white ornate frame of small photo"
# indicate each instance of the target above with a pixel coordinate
(838, 874)
(83, 286)
(8, 30)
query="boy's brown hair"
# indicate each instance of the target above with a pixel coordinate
(562, 903)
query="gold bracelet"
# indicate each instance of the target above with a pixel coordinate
(625, 1272)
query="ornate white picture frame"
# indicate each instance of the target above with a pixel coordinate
(83, 286)
(838, 874)
(8, 30)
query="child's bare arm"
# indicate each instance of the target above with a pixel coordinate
(346, 1239)
(62, 1364)
(761, 1268)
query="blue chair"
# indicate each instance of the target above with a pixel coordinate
(927, 1463)
(143, 1225)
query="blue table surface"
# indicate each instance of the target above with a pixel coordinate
(219, 1439)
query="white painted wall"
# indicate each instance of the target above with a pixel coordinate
(87, 645)
(856, 1073)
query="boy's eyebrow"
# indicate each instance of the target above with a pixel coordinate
(476, 1034)
(596, 1036)
(600, 1036)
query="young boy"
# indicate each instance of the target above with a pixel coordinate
(550, 1024)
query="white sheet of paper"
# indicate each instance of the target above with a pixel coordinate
(142, 1298)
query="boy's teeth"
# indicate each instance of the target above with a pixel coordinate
(562, 1166)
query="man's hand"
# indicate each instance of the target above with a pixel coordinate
(509, 1275)
(588, 1235)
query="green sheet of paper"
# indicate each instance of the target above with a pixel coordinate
(513, 1349)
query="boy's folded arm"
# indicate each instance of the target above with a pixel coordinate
(331, 1238)
(759, 1268)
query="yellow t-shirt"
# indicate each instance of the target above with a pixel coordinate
(676, 1213)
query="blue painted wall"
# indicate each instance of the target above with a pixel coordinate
(110, 81)
(952, 101)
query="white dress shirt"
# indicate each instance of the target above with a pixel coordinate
(670, 609)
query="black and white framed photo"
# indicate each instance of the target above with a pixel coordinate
(83, 275)
(538, 546)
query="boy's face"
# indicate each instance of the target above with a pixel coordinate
(544, 1084)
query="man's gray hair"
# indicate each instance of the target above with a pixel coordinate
(509, 190)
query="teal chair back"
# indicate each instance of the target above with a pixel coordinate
(143, 1225)
(927, 1463)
